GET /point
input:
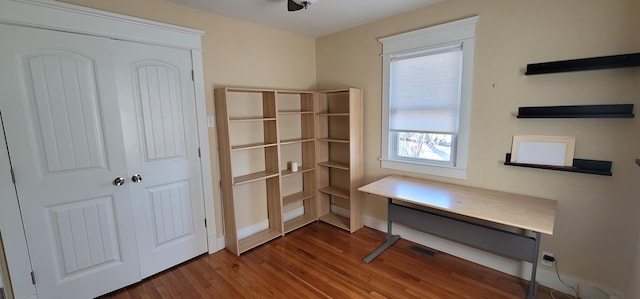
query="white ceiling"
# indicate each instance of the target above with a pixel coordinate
(322, 18)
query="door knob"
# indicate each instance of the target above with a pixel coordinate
(119, 181)
(136, 178)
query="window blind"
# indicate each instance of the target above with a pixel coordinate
(425, 91)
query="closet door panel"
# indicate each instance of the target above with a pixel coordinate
(66, 116)
(156, 93)
(66, 147)
(160, 106)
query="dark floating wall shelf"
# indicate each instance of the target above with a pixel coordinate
(584, 64)
(579, 111)
(579, 165)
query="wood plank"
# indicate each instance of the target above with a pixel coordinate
(321, 261)
(251, 119)
(335, 220)
(296, 140)
(334, 164)
(333, 114)
(333, 140)
(296, 197)
(252, 177)
(335, 191)
(226, 176)
(246, 90)
(293, 112)
(253, 146)
(298, 222)
(301, 169)
(274, 205)
(356, 152)
(257, 239)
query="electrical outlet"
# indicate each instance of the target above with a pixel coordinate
(211, 122)
(545, 262)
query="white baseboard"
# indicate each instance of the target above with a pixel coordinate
(297, 212)
(221, 243)
(213, 243)
(545, 276)
(260, 226)
(340, 211)
(252, 229)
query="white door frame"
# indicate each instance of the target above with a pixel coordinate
(15, 242)
(48, 14)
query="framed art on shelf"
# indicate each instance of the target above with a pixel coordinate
(543, 150)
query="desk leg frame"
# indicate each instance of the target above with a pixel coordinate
(533, 284)
(533, 258)
(391, 239)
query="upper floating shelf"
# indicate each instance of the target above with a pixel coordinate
(578, 111)
(584, 64)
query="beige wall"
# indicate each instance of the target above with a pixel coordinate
(596, 231)
(235, 53)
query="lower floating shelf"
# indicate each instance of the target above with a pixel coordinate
(596, 167)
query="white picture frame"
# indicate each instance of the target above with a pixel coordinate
(543, 150)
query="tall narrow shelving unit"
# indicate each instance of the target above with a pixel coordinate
(297, 144)
(339, 157)
(249, 162)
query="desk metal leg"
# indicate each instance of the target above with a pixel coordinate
(390, 239)
(534, 267)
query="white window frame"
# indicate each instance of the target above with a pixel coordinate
(460, 32)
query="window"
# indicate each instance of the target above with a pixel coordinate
(427, 78)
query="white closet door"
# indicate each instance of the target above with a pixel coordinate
(63, 130)
(157, 99)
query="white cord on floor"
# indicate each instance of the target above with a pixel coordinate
(555, 263)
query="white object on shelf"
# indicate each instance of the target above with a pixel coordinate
(543, 150)
(294, 166)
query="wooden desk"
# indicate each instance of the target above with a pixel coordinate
(428, 206)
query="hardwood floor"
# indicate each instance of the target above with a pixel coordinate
(320, 261)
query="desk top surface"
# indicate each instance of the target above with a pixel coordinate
(520, 211)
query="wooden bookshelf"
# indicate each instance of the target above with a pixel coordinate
(261, 132)
(297, 137)
(236, 107)
(339, 154)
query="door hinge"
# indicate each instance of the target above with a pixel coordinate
(33, 278)
(193, 76)
(13, 175)
(205, 222)
(199, 154)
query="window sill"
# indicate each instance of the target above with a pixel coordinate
(438, 170)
